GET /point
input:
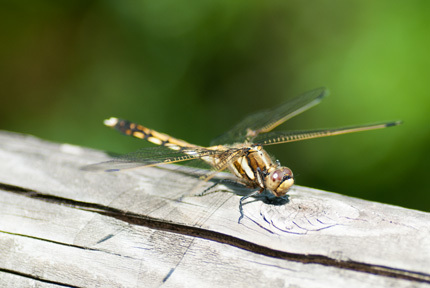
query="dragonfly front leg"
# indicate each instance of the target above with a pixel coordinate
(261, 176)
(244, 198)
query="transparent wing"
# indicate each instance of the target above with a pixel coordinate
(151, 156)
(265, 121)
(154, 156)
(291, 136)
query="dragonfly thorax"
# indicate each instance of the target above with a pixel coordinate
(279, 180)
(257, 169)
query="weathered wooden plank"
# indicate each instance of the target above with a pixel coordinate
(63, 226)
(137, 256)
(11, 280)
(141, 257)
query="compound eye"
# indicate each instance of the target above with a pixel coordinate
(281, 174)
(280, 181)
(287, 177)
(276, 176)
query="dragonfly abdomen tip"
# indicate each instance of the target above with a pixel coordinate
(394, 123)
(112, 121)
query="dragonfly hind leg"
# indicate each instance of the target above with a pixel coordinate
(222, 181)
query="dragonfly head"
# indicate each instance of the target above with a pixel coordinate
(279, 181)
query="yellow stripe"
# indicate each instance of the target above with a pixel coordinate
(154, 140)
(138, 134)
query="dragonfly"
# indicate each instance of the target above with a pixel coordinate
(240, 150)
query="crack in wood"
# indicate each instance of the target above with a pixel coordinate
(30, 276)
(154, 223)
(67, 244)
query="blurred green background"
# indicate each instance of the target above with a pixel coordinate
(193, 69)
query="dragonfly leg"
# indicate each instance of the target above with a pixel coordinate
(205, 192)
(222, 181)
(260, 178)
(244, 198)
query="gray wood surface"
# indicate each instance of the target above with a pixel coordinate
(64, 227)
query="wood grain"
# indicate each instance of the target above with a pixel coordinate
(64, 227)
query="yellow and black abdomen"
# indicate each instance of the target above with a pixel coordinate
(141, 132)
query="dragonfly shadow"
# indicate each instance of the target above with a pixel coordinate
(271, 199)
(241, 190)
